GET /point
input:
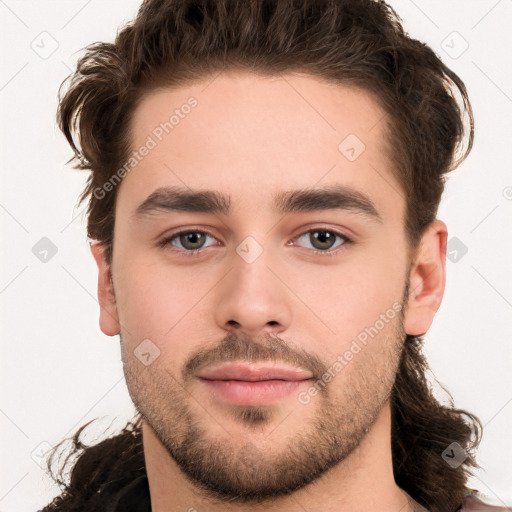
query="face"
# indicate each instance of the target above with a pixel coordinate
(293, 260)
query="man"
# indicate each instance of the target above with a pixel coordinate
(265, 178)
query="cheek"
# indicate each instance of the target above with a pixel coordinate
(353, 294)
(369, 358)
(155, 300)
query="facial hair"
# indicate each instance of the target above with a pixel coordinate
(241, 470)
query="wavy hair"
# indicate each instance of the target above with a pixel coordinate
(361, 43)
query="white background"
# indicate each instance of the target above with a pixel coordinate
(59, 371)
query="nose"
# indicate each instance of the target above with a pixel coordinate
(252, 299)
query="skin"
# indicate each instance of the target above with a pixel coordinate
(251, 137)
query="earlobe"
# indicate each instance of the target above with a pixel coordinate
(427, 280)
(109, 319)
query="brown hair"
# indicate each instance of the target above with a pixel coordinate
(354, 42)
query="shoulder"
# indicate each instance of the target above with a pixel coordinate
(474, 503)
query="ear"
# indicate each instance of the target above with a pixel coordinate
(109, 319)
(427, 280)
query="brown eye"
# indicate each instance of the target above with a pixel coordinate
(188, 241)
(323, 240)
(192, 240)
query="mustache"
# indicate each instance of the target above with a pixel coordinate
(242, 347)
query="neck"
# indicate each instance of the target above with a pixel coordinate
(361, 482)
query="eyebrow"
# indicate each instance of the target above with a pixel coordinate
(332, 197)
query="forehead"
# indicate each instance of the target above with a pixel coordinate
(295, 110)
(247, 135)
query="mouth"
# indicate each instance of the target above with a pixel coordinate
(253, 383)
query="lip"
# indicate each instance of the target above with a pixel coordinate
(252, 383)
(254, 372)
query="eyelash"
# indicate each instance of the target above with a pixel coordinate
(194, 252)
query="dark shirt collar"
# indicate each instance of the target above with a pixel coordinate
(134, 497)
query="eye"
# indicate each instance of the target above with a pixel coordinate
(187, 240)
(323, 240)
(191, 242)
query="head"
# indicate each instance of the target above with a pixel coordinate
(259, 195)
